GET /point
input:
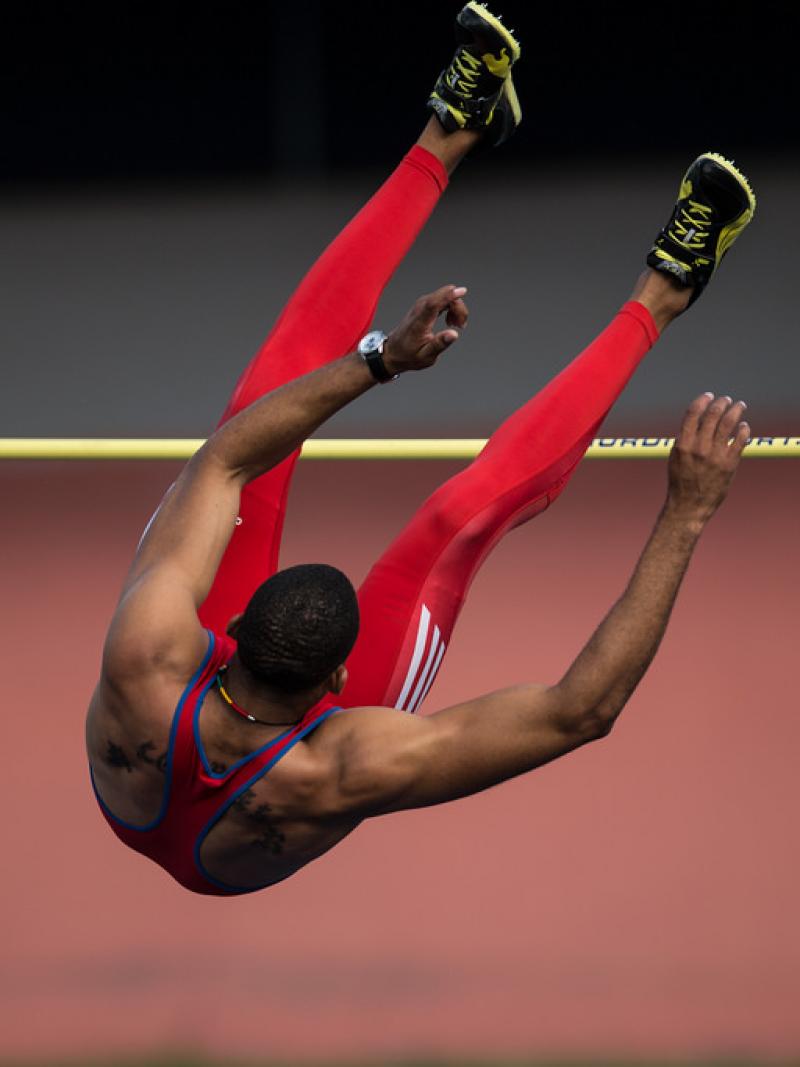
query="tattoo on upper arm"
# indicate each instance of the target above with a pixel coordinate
(269, 837)
(116, 757)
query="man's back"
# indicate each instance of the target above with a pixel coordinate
(168, 755)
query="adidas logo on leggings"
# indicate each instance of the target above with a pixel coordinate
(428, 650)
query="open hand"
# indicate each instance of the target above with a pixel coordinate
(415, 344)
(706, 455)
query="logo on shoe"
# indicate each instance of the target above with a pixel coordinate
(499, 66)
(672, 267)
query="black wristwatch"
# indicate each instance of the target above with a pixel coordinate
(370, 348)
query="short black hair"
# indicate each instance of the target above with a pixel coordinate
(299, 626)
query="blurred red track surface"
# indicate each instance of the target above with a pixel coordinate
(638, 897)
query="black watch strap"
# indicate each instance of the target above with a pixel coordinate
(374, 360)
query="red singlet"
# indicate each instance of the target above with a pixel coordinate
(195, 797)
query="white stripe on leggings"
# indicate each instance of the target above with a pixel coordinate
(428, 664)
(432, 678)
(419, 648)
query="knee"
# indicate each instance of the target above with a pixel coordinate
(464, 511)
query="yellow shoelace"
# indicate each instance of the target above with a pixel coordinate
(468, 69)
(692, 226)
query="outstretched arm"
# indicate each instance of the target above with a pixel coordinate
(181, 551)
(393, 761)
(272, 428)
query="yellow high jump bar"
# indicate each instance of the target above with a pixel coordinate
(71, 448)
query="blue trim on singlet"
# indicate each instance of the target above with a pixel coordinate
(235, 796)
(170, 748)
(199, 744)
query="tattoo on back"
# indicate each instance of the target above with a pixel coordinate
(269, 836)
(116, 757)
(146, 754)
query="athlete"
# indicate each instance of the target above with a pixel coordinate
(247, 719)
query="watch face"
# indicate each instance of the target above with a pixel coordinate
(372, 342)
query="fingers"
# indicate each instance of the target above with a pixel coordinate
(437, 344)
(733, 433)
(429, 307)
(691, 420)
(709, 423)
(442, 298)
(414, 343)
(457, 314)
(740, 439)
(730, 421)
(721, 422)
(714, 422)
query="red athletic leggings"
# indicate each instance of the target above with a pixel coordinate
(411, 598)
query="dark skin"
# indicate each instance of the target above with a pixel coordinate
(366, 761)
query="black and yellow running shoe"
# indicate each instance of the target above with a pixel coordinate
(478, 81)
(715, 203)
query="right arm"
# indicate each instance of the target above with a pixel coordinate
(174, 568)
(391, 761)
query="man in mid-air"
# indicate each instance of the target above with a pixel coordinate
(246, 719)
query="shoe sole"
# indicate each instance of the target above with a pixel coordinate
(492, 20)
(735, 226)
(734, 170)
(510, 94)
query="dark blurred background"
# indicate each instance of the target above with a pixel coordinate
(132, 90)
(168, 172)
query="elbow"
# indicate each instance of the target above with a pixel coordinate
(602, 714)
(585, 720)
(599, 720)
(215, 457)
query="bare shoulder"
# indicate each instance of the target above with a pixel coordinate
(128, 728)
(154, 636)
(359, 753)
(141, 681)
(368, 727)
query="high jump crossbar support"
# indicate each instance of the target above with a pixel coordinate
(73, 448)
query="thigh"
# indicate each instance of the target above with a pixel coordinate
(329, 311)
(412, 598)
